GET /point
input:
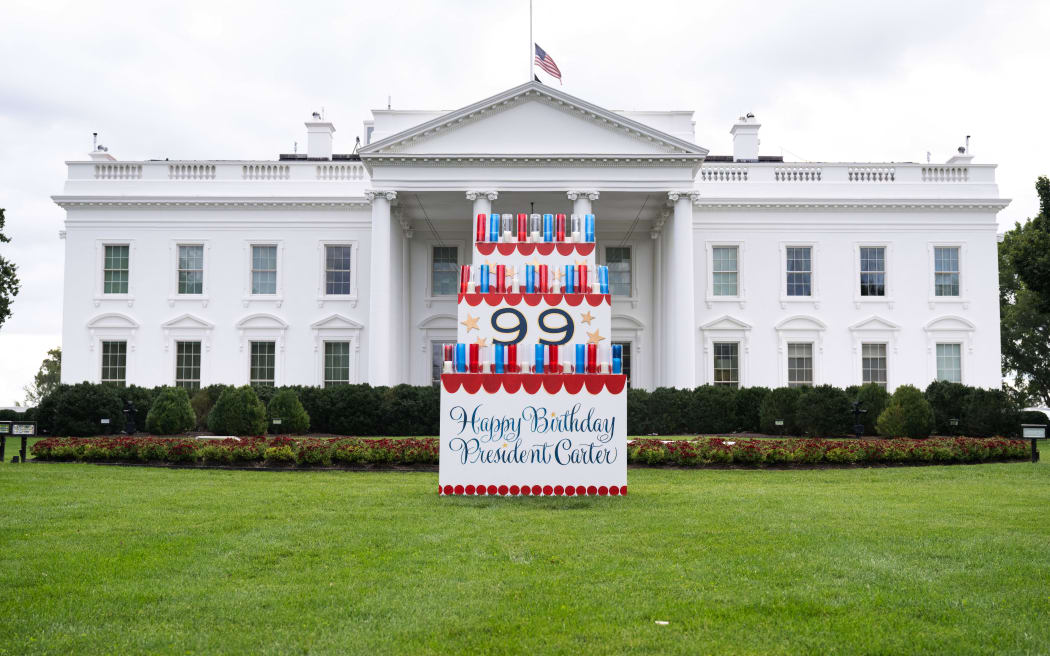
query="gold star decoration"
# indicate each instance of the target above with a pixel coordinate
(559, 274)
(483, 341)
(586, 317)
(594, 338)
(471, 323)
(487, 263)
(535, 262)
(510, 272)
(581, 262)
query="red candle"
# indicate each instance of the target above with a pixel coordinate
(543, 279)
(512, 359)
(559, 223)
(522, 219)
(464, 278)
(481, 227)
(552, 358)
(581, 278)
(475, 367)
(592, 358)
(447, 349)
(501, 278)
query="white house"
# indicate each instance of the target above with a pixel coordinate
(322, 268)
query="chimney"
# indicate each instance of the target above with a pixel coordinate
(319, 138)
(745, 138)
(962, 155)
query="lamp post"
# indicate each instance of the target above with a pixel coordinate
(858, 427)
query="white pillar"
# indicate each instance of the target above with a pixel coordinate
(680, 301)
(581, 201)
(658, 322)
(482, 205)
(382, 361)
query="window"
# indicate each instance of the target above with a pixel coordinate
(724, 271)
(946, 271)
(188, 366)
(873, 271)
(799, 271)
(618, 259)
(625, 360)
(800, 365)
(114, 362)
(949, 362)
(262, 363)
(337, 270)
(115, 270)
(444, 274)
(873, 364)
(336, 363)
(437, 361)
(191, 269)
(264, 269)
(727, 364)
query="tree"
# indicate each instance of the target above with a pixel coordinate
(8, 277)
(46, 379)
(1024, 302)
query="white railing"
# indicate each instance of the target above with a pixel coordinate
(340, 172)
(723, 173)
(118, 171)
(872, 174)
(265, 171)
(797, 174)
(946, 173)
(191, 171)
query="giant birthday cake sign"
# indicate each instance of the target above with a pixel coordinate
(533, 398)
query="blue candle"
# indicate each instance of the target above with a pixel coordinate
(548, 227)
(617, 366)
(494, 227)
(581, 358)
(530, 279)
(569, 269)
(539, 358)
(588, 221)
(499, 358)
(603, 279)
(617, 350)
(483, 279)
(461, 358)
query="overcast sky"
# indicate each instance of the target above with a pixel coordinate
(829, 80)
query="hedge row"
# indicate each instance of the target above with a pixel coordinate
(822, 411)
(285, 451)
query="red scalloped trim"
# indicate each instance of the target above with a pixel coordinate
(531, 383)
(494, 299)
(488, 247)
(527, 490)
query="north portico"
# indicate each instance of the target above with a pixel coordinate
(737, 269)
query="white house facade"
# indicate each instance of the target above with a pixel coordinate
(323, 269)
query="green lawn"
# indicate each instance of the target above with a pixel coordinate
(121, 560)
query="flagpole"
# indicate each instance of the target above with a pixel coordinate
(532, 49)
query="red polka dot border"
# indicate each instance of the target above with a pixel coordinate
(533, 490)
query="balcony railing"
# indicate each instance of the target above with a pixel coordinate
(190, 171)
(806, 174)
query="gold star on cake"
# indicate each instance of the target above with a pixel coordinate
(484, 341)
(581, 262)
(535, 262)
(510, 272)
(471, 323)
(586, 317)
(594, 338)
(559, 274)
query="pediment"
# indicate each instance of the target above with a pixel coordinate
(113, 320)
(262, 321)
(187, 322)
(726, 322)
(949, 323)
(801, 322)
(336, 322)
(532, 119)
(874, 323)
(438, 322)
(626, 322)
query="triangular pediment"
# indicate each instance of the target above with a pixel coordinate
(726, 323)
(532, 120)
(187, 322)
(874, 323)
(336, 322)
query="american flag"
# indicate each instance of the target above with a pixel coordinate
(544, 61)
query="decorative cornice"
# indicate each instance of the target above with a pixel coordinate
(974, 204)
(673, 196)
(372, 194)
(67, 202)
(589, 195)
(530, 160)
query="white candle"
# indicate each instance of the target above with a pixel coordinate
(486, 367)
(515, 286)
(566, 367)
(575, 236)
(447, 368)
(471, 286)
(604, 368)
(535, 237)
(555, 287)
(507, 236)
(595, 287)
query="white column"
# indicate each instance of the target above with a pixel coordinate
(581, 201)
(382, 361)
(680, 301)
(658, 323)
(404, 351)
(482, 205)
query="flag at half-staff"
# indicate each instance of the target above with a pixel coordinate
(544, 61)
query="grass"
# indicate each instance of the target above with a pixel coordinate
(98, 559)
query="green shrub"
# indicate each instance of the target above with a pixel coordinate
(285, 405)
(748, 407)
(171, 412)
(280, 454)
(989, 413)
(80, 408)
(948, 401)
(238, 412)
(638, 420)
(781, 403)
(823, 411)
(141, 399)
(712, 410)
(873, 398)
(203, 401)
(669, 411)
(908, 414)
(410, 410)
(356, 410)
